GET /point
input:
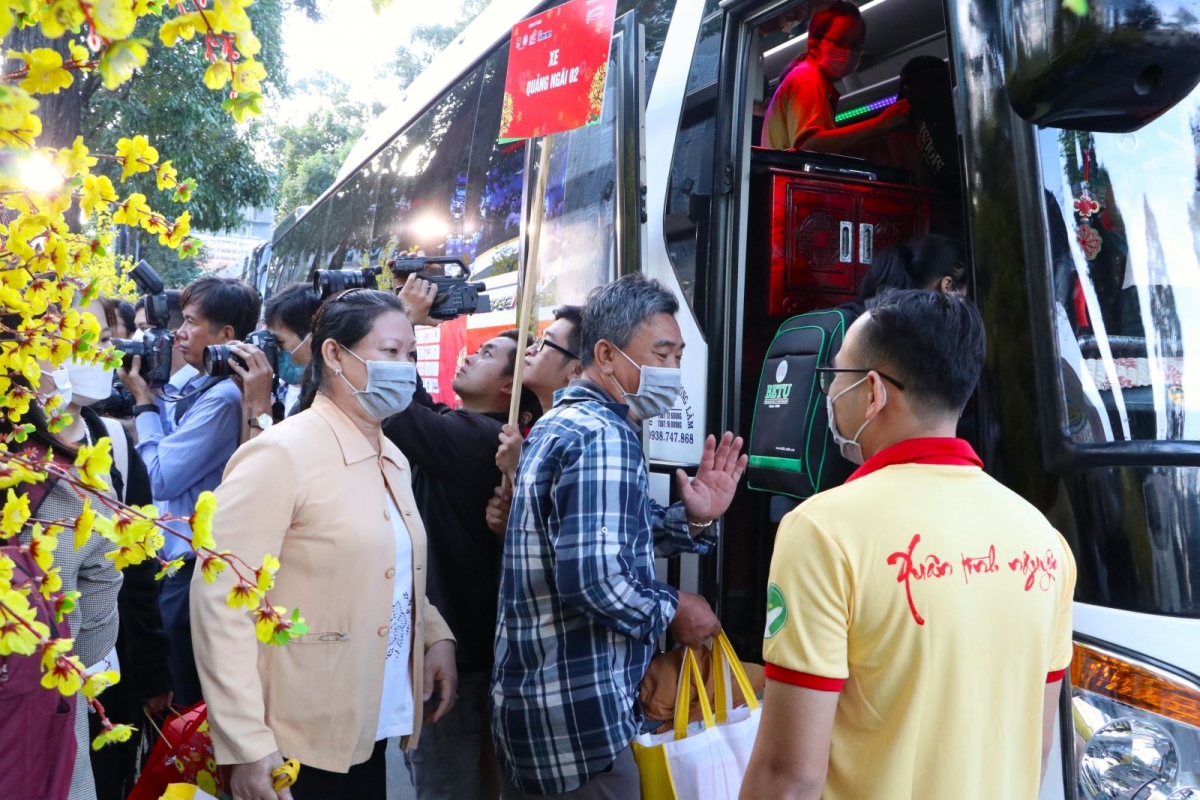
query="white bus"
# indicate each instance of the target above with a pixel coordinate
(1072, 155)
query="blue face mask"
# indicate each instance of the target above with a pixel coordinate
(289, 372)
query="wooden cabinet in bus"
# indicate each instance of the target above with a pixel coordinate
(813, 236)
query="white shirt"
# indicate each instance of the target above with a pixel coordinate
(396, 704)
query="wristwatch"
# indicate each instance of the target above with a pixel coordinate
(145, 408)
(262, 421)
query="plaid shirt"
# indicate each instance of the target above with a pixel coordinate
(580, 609)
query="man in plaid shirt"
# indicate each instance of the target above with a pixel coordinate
(580, 609)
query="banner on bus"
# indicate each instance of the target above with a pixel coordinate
(557, 66)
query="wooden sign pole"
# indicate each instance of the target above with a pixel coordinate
(529, 283)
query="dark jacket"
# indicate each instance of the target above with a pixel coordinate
(453, 455)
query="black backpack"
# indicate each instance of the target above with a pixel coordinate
(791, 450)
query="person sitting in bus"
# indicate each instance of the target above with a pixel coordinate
(895, 600)
(801, 114)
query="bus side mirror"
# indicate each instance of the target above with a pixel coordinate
(1112, 70)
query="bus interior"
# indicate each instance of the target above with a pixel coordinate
(813, 222)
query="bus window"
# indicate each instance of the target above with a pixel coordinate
(689, 192)
(347, 242)
(1124, 221)
(420, 175)
(494, 190)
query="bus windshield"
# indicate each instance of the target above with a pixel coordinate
(1124, 217)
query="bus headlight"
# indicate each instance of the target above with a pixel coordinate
(1137, 728)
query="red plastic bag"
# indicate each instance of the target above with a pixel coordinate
(184, 754)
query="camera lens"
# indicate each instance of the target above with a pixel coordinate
(216, 360)
(130, 348)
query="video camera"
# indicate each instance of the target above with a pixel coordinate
(328, 282)
(455, 296)
(218, 356)
(154, 348)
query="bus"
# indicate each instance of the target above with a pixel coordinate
(1067, 162)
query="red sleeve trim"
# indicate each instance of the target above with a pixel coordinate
(1055, 677)
(803, 679)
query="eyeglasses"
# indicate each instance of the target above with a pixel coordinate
(826, 376)
(542, 342)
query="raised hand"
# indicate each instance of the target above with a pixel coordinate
(708, 495)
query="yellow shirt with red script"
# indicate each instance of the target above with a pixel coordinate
(938, 603)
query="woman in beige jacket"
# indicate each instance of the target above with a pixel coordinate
(329, 495)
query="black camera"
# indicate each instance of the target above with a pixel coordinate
(118, 405)
(328, 282)
(156, 344)
(218, 356)
(455, 295)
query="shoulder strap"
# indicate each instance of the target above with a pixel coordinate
(120, 451)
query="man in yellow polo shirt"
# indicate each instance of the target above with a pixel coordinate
(919, 617)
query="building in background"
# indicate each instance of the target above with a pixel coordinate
(228, 250)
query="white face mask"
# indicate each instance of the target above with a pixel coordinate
(390, 386)
(90, 383)
(62, 384)
(850, 448)
(657, 389)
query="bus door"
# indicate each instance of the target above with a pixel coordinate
(795, 232)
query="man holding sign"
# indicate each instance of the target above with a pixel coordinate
(580, 609)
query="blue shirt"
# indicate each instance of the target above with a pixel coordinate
(580, 609)
(188, 458)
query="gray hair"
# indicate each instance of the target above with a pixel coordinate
(615, 312)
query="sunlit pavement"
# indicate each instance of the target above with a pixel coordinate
(399, 786)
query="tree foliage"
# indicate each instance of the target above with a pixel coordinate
(312, 151)
(429, 40)
(190, 125)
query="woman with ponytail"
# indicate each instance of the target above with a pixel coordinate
(931, 262)
(332, 497)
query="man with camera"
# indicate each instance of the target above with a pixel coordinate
(186, 438)
(453, 452)
(275, 371)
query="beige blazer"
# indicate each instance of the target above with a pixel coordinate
(311, 491)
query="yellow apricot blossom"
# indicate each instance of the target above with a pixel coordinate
(113, 735)
(61, 16)
(121, 60)
(266, 574)
(16, 514)
(114, 19)
(212, 566)
(97, 682)
(42, 545)
(44, 71)
(178, 232)
(132, 210)
(20, 630)
(94, 463)
(243, 595)
(97, 190)
(217, 75)
(136, 155)
(248, 76)
(15, 105)
(51, 583)
(74, 160)
(167, 176)
(85, 524)
(63, 672)
(201, 522)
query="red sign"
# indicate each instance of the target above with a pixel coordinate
(557, 64)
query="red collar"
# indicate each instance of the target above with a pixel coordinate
(953, 452)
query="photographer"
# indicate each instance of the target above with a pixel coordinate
(454, 471)
(288, 315)
(186, 439)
